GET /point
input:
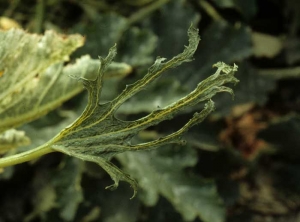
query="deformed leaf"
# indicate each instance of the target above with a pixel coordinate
(234, 45)
(97, 135)
(253, 88)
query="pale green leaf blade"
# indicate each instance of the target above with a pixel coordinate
(21, 73)
(50, 89)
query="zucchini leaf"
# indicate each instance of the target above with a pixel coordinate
(162, 172)
(24, 98)
(97, 135)
(40, 83)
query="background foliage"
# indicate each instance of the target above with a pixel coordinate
(241, 164)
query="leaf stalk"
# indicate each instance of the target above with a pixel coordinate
(26, 156)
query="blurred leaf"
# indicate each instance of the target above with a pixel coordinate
(112, 206)
(204, 136)
(58, 189)
(248, 8)
(11, 139)
(116, 206)
(160, 95)
(101, 33)
(25, 95)
(8, 23)
(284, 135)
(161, 172)
(171, 37)
(266, 45)
(234, 44)
(136, 47)
(224, 3)
(68, 189)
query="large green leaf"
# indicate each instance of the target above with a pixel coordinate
(24, 96)
(161, 172)
(46, 86)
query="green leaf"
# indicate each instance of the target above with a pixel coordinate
(136, 47)
(21, 74)
(234, 45)
(46, 86)
(97, 135)
(161, 172)
(68, 189)
(253, 88)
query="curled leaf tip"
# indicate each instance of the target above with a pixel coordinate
(97, 135)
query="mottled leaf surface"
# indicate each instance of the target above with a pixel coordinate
(161, 172)
(48, 85)
(20, 96)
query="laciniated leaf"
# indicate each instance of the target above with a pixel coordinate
(253, 88)
(20, 73)
(161, 172)
(135, 45)
(97, 135)
(234, 44)
(160, 95)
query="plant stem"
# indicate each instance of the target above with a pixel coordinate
(25, 156)
(39, 17)
(210, 10)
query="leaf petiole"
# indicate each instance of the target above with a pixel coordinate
(26, 156)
